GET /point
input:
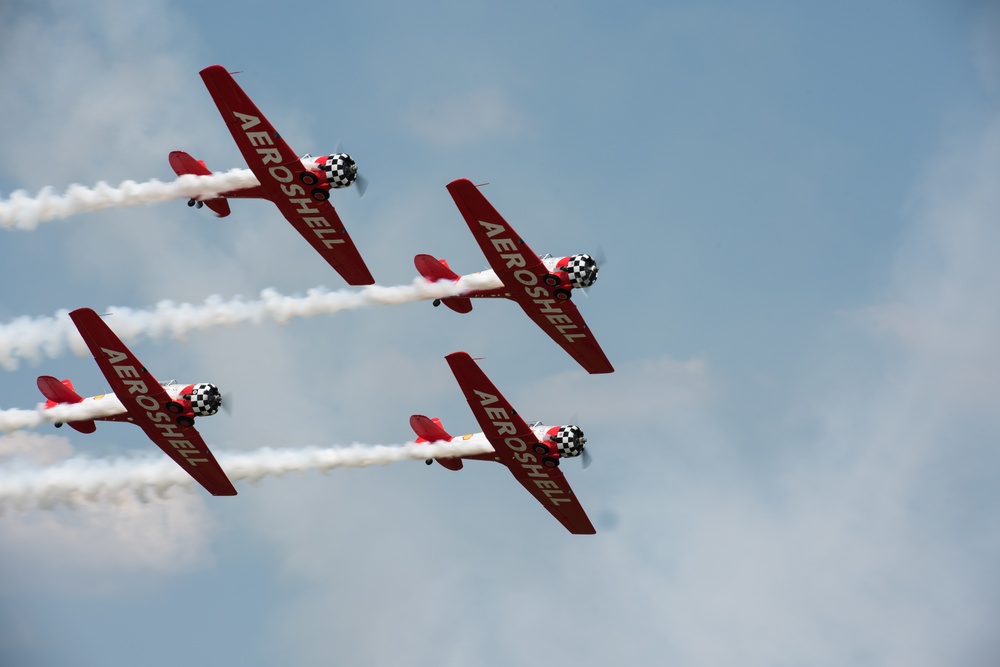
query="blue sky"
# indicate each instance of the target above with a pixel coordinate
(794, 461)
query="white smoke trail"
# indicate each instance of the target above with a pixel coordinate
(15, 419)
(35, 338)
(82, 479)
(22, 211)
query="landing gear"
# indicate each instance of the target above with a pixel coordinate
(550, 462)
(175, 408)
(59, 424)
(185, 422)
(436, 302)
(199, 204)
(192, 202)
(540, 449)
(429, 461)
(308, 178)
(551, 280)
(319, 194)
(561, 293)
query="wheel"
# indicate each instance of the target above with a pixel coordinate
(185, 422)
(191, 202)
(429, 461)
(437, 302)
(319, 194)
(175, 408)
(199, 204)
(550, 462)
(308, 178)
(540, 448)
(59, 424)
(561, 293)
(551, 280)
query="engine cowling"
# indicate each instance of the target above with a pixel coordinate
(569, 440)
(338, 168)
(205, 399)
(581, 270)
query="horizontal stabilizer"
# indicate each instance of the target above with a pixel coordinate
(86, 426)
(427, 429)
(184, 164)
(219, 206)
(430, 430)
(434, 269)
(56, 391)
(460, 304)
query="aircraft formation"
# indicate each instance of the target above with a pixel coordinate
(301, 187)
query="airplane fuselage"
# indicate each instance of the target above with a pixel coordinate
(108, 407)
(488, 284)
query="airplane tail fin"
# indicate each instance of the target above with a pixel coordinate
(430, 430)
(62, 392)
(184, 164)
(433, 269)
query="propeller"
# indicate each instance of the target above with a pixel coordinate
(227, 403)
(585, 457)
(601, 259)
(361, 183)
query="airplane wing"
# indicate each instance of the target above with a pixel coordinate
(512, 439)
(146, 401)
(523, 273)
(278, 169)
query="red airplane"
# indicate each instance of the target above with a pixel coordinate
(542, 286)
(300, 187)
(165, 412)
(531, 453)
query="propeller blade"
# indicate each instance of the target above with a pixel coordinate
(600, 257)
(227, 403)
(587, 460)
(362, 184)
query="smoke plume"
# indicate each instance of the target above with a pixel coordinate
(81, 479)
(34, 338)
(22, 211)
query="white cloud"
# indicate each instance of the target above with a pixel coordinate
(944, 304)
(35, 448)
(465, 118)
(650, 390)
(104, 548)
(97, 547)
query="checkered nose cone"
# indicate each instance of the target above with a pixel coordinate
(582, 271)
(339, 168)
(570, 441)
(205, 399)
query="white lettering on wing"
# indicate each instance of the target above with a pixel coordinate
(528, 462)
(163, 421)
(304, 210)
(538, 294)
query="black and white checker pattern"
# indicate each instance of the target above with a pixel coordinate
(582, 271)
(570, 441)
(205, 399)
(339, 169)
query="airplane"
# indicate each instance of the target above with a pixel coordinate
(542, 286)
(299, 187)
(166, 412)
(531, 453)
